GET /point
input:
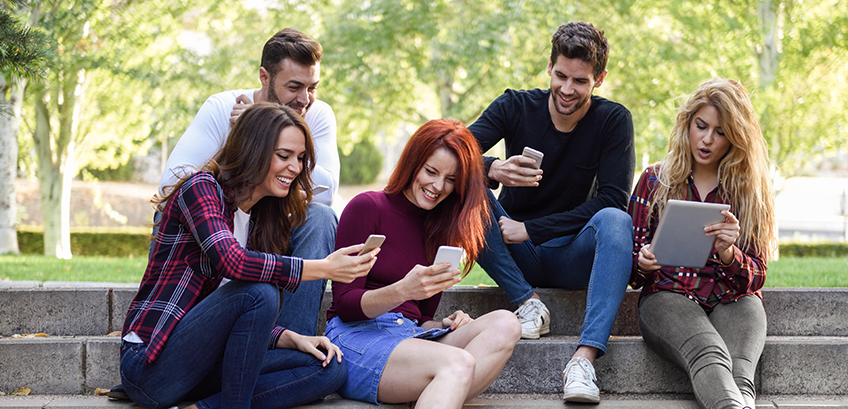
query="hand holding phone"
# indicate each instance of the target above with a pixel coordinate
(449, 254)
(373, 241)
(533, 154)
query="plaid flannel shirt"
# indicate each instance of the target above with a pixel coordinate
(194, 249)
(745, 275)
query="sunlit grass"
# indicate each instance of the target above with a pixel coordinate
(30, 267)
(786, 272)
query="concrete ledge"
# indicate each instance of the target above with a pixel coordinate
(789, 365)
(488, 401)
(71, 311)
(46, 365)
(100, 310)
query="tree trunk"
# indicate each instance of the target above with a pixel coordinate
(55, 165)
(9, 125)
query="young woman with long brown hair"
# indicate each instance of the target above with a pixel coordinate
(190, 333)
(435, 196)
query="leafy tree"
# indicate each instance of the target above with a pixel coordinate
(92, 105)
(22, 56)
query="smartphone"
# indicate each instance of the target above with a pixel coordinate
(533, 154)
(374, 241)
(317, 189)
(449, 254)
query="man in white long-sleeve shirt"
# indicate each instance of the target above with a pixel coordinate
(289, 74)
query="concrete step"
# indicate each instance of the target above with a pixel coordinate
(789, 365)
(98, 309)
(487, 401)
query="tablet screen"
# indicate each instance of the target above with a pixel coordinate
(680, 239)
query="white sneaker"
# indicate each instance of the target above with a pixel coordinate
(578, 380)
(534, 317)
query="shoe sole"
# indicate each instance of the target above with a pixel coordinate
(529, 336)
(581, 397)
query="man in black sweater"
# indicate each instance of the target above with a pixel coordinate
(563, 225)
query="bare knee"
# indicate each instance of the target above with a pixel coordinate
(459, 366)
(504, 328)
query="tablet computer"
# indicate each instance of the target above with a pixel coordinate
(680, 240)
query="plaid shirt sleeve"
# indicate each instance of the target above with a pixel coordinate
(204, 213)
(639, 208)
(746, 273)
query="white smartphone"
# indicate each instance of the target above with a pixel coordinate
(533, 154)
(449, 254)
(373, 241)
(317, 189)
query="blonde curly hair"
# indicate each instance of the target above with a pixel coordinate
(743, 171)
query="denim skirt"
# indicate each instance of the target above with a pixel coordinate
(366, 346)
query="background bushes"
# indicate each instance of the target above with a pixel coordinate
(136, 242)
(109, 243)
(362, 166)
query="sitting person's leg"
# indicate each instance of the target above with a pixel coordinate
(313, 240)
(679, 330)
(501, 262)
(497, 260)
(229, 330)
(598, 258)
(742, 326)
(290, 378)
(453, 370)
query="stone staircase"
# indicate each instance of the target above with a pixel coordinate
(804, 362)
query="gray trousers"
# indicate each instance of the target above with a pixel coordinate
(719, 349)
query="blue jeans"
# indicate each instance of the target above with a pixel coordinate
(218, 353)
(597, 258)
(313, 240)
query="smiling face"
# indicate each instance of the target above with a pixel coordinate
(294, 85)
(572, 82)
(707, 140)
(286, 164)
(434, 181)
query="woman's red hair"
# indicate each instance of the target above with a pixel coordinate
(462, 218)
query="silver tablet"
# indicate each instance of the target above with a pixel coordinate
(680, 239)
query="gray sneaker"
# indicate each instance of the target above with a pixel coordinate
(578, 379)
(535, 319)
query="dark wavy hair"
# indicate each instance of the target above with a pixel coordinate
(243, 163)
(293, 44)
(462, 218)
(584, 41)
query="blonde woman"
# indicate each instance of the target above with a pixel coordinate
(710, 321)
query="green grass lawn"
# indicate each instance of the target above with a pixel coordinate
(786, 272)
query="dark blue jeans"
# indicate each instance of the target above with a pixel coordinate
(597, 258)
(218, 353)
(315, 239)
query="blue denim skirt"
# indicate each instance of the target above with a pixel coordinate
(366, 346)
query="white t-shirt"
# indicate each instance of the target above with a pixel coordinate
(241, 226)
(211, 127)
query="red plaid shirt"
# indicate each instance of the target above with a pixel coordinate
(194, 249)
(745, 275)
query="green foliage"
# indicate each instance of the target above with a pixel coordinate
(835, 249)
(363, 164)
(116, 243)
(23, 51)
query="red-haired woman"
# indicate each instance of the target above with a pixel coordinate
(435, 196)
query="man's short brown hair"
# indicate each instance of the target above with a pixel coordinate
(584, 41)
(290, 43)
